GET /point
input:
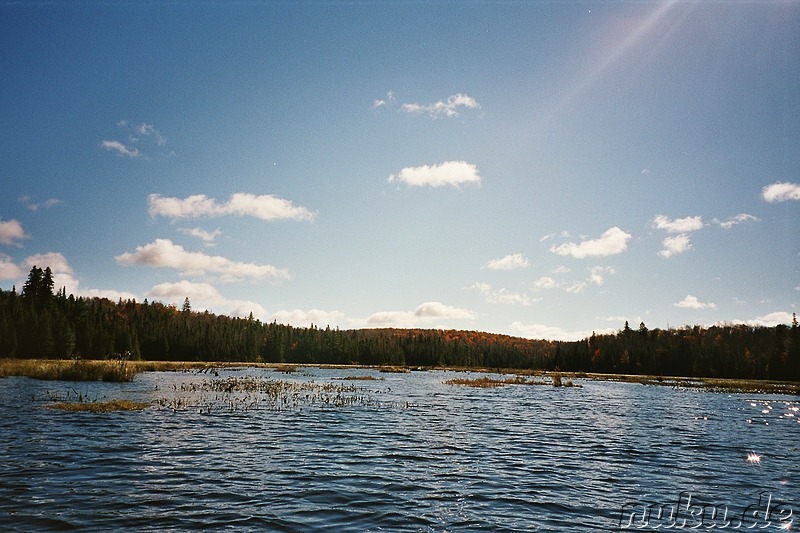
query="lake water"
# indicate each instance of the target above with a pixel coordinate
(254, 449)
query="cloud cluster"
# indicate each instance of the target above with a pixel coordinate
(677, 244)
(9, 269)
(424, 314)
(164, 253)
(741, 218)
(770, 320)
(304, 319)
(121, 149)
(542, 331)
(613, 241)
(780, 192)
(509, 262)
(263, 207)
(500, 296)
(381, 102)
(204, 296)
(135, 135)
(11, 232)
(33, 206)
(208, 237)
(679, 225)
(452, 173)
(63, 276)
(447, 108)
(691, 302)
(451, 107)
(597, 276)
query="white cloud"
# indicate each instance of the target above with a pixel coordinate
(738, 219)
(63, 277)
(205, 236)
(598, 273)
(440, 310)
(9, 269)
(204, 296)
(62, 271)
(381, 102)
(392, 319)
(110, 294)
(32, 206)
(691, 302)
(679, 225)
(542, 331)
(121, 149)
(11, 232)
(264, 207)
(304, 319)
(148, 130)
(675, 245)
(144, 133)
(500, 296)
(779, 192)
(509, 262)
(770, 319)
(576, 287)
(613, 241)
(448, 108)
(56, 261)
(545, 282)
(424, 314)
(452, 173)
(164, 253)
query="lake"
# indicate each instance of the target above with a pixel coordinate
(255, 449)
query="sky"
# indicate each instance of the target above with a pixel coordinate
(538, 169)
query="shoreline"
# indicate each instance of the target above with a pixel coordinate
(122, 370)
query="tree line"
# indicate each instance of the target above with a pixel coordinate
(38, 323)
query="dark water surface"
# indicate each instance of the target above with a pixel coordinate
(403, 453)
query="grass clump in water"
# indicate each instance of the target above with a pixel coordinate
(487, 382)
(100, 407)
(114, 370)
(393, 369)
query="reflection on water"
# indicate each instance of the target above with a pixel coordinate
(403, 453)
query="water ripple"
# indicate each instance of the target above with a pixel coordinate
(420, 455)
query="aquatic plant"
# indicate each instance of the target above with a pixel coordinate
(393, 369)
(99, 407)
(487, 382)
(76, 369)
(245, 393)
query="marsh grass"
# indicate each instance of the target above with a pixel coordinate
(361, 378)
(99, 407)
(487, 382)
(246, 393)
(115, 370)
(393, 369)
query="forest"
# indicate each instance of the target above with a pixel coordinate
(41, 323)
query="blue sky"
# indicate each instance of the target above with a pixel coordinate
(540, 169)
